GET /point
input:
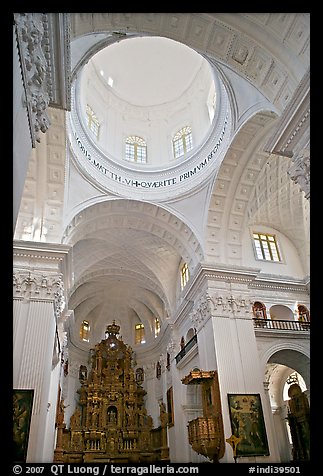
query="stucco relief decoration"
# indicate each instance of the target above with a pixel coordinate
(149, 370)
(74, 368)
(31, 40)
(299, 172)
(59, 301)
(28, 285)
(201, 311)
(163, 361)
(171, 347)
(229, 305)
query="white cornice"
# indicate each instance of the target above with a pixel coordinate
(292, 124)
(59, 60)
(205, 274)
(50, 251)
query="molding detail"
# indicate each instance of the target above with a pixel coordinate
(299, 172)
(38, 286)
(59, 300)
(171, 347)
(32, 39)
(149, 370)
(201, 311)
(293, 126)
(230, 306)
(45, 70)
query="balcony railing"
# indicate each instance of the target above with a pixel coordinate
(191, 343)
(281, 324)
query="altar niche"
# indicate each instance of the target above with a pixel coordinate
(111, 423)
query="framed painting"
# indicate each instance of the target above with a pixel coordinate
(247, 423)
(170, 406)
(22, 408)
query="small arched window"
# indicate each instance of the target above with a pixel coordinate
(85, 331)
(185, 275)
(157, 326)
(136, 150)
(182, 142)
(140, 334)
(303, 313)
(190, 334)
(259, 310)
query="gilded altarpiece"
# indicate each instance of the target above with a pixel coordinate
(111, 423)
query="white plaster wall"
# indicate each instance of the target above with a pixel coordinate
(289, 266)
(50, 432)
(79, 193)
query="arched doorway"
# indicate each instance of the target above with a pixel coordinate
(286, 368)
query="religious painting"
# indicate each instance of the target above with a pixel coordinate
(247, 423)
(22, 407)
(170, 406)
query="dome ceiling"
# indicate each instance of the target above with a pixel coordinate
(156, 94)
(148, 71)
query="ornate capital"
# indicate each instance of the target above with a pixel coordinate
(230, 305)
(38, 286)
(299, 171)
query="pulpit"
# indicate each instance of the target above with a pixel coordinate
(205, 433)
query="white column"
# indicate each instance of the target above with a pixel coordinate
(223, 315)
(38, 294)
(35, 367)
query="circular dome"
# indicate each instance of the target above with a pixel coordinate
(147, 92)
(158, 70)
(148, 113)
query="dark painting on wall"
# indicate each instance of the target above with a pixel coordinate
(170, 406)
(22, 408)
(247, 423)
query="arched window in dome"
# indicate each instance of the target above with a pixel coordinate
(182, 142)
(92, 121)
(211, 102)
(136, 149)
(85, 331)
